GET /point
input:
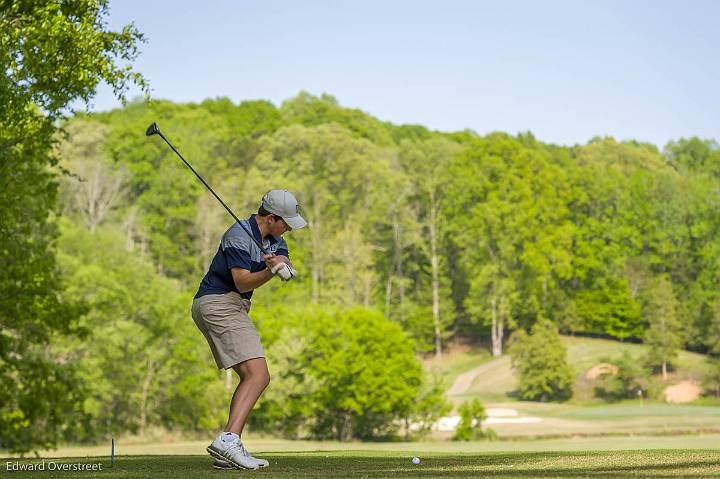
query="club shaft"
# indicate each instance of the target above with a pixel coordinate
(213, 192)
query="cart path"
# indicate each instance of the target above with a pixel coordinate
(464, 381)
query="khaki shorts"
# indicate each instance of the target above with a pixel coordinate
(223, 319)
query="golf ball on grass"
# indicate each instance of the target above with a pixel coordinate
(416, 460)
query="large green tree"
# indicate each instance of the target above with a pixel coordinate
(613, 210)
(52, 54)
(340, 374)
(143, 362)
(540, 361)
(510, 223)
(427, 163)
(695, 154)
(342, 184)
(664, 332)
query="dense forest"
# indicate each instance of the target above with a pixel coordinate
(416, 238)
(448, 234)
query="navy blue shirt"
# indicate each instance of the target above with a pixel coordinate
(238, 250)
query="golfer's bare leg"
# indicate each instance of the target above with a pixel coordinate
(254, 378)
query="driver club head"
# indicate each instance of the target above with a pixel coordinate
(152, 130)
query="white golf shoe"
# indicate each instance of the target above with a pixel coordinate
(220, 464)
(232, 452)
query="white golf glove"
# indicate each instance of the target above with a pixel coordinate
(284, 270)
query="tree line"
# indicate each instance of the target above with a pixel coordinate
(448, 234)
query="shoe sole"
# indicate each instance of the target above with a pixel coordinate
(217, 455)
(230, 468)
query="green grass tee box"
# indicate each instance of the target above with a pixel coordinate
(372, 464)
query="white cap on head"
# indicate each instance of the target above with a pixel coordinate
(284, 204)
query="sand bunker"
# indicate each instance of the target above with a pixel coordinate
(601, 370)
(685, 391)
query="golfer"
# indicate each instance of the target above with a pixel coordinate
(221, 306)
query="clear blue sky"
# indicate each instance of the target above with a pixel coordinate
(565, 70)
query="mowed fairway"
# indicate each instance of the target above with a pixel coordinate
(371, 464)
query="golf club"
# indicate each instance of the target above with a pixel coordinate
(155, 130)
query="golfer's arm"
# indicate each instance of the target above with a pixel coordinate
(247, 281)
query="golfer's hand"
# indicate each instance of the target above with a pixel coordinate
(281, 268)
(285, 259)
(273, 262)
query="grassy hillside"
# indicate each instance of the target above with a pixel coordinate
(496, 382)
(584, 353)
(492, 381)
